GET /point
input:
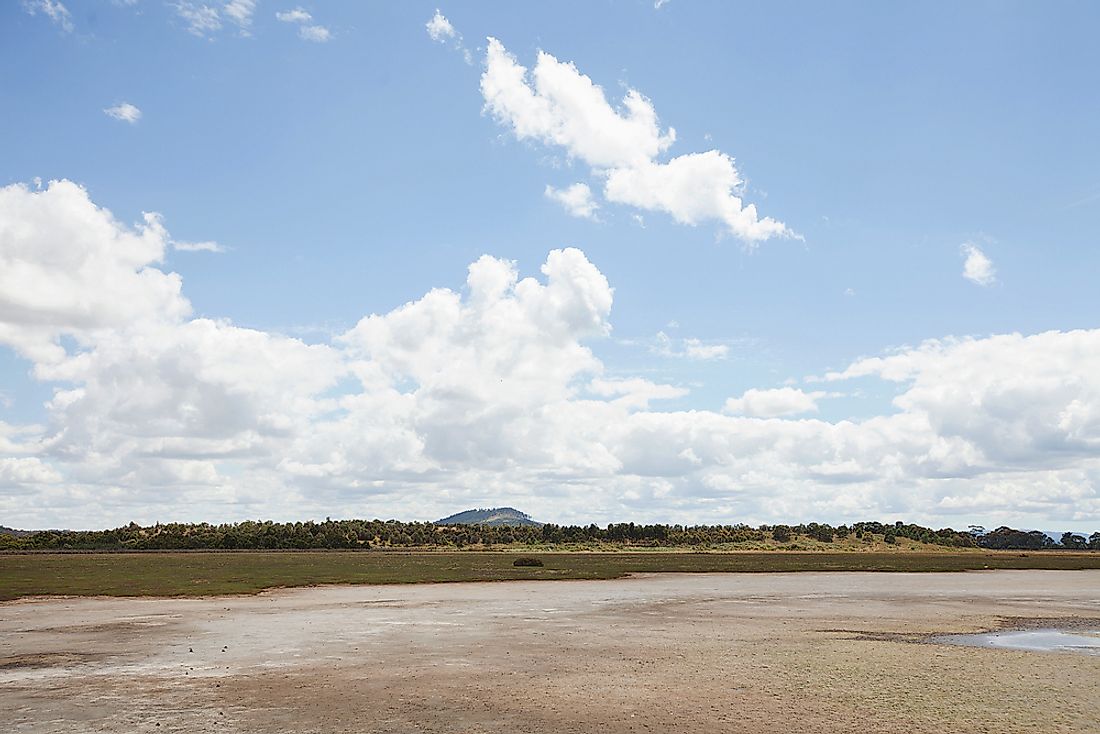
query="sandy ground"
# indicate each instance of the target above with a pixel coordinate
(806, 652)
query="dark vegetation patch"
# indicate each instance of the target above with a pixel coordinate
(371, 534)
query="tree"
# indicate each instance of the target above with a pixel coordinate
(1073, 541)
(781, 534)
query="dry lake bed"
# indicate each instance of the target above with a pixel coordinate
(799, 652)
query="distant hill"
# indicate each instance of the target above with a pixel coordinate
(494, 516)
(15, 533)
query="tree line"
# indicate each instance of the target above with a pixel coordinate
(381, 534)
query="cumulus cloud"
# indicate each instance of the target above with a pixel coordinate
(52, 9)
(491, 393)
(774, 403)
(439, 28)
(557, 105)
(67, 267)
(977, 267)
(26, 471)
(125, 112)
(1012, 399)
(575, 199)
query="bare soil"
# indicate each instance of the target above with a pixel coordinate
(806, 652)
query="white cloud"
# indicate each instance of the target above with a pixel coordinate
(565, 108)
(204, 19)
(491, 394)
(201, 19)
(559, 106)
(306, 31)
(693, 188)
(68, 267)
(977, 268)
(315, 33)
(52, 9)
(696, 349)
(634, 392)
(240, 12)
(575, 199)
(1011, 398)
(26, 471)
(297, 15)
(775, 403)
(125, 112)
(689, 348)
(440, 30)
(207, 246)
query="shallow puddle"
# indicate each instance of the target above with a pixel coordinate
(1041, 640)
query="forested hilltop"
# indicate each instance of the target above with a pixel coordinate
(379, 534)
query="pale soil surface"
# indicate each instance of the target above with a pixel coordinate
(802, 652)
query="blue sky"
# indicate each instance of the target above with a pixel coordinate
(350, 175)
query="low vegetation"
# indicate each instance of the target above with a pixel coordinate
(205, 574)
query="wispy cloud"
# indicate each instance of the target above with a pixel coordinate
(53, 9)
(688, 348)
(240, 12)
(201, 19)
(208, 246)
(204, 19)
(315, 33)
(307, 30)
(297, 15)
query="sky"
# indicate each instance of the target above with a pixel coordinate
(685, 261)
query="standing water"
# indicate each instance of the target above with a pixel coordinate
(1040, 640)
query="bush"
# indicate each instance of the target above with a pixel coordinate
(527, 561)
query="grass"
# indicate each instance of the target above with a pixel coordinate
(206, 574)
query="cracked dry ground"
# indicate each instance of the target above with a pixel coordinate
(806, 652)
